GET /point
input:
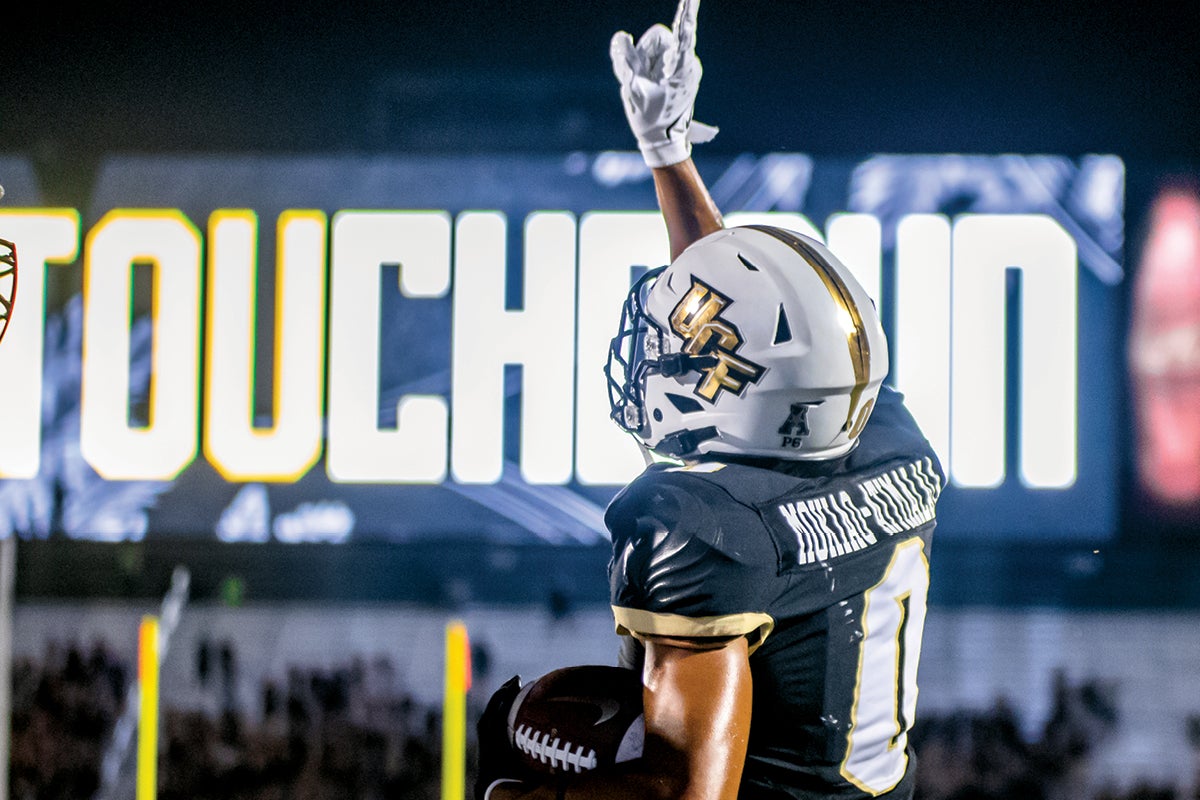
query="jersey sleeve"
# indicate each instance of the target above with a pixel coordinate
(687, 561)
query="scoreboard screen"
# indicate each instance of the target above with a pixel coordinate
(406, 348)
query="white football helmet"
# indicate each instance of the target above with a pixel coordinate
(755, 341)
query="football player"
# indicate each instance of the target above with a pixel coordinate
(770, 569)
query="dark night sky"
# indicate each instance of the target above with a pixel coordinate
(821, 77)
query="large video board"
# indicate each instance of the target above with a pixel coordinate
(343, 348)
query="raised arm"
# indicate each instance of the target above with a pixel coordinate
(659, 78)
(686, 205)
(697, 692)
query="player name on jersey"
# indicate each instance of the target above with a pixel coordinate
(838, 523)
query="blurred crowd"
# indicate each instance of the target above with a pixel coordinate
(986, 755)
(347, 732)
(350, 732)
(353, 732)
(63, 711)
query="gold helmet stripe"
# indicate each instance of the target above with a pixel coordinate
(856, 337)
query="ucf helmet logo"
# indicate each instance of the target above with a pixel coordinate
(697, 319)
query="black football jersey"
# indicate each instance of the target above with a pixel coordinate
(824, 566)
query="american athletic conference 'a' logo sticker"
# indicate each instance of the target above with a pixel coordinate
(697, 320)
(795, 428)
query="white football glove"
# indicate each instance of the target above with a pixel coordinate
(659, 79)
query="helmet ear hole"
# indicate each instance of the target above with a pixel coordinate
(783, 331)
(684, 404)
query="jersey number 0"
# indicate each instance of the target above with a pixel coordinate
(885, 692)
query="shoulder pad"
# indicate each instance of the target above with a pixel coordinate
(700, 502)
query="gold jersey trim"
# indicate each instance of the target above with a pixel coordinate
(641, 624)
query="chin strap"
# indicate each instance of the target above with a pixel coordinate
(673, 364)
(647, 453)
(685, 442)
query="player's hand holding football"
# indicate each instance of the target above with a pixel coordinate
(659, 78)
(497, 760)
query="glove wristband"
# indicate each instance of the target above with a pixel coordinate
(665, 153)
(668, 151)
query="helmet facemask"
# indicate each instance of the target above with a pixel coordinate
(641, 349)
(633, 352)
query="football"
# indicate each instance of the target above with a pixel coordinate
(578, 719)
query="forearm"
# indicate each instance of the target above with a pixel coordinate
(687, 208)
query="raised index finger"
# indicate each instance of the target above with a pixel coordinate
(685, 24)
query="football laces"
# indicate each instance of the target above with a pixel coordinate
(554, 751)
